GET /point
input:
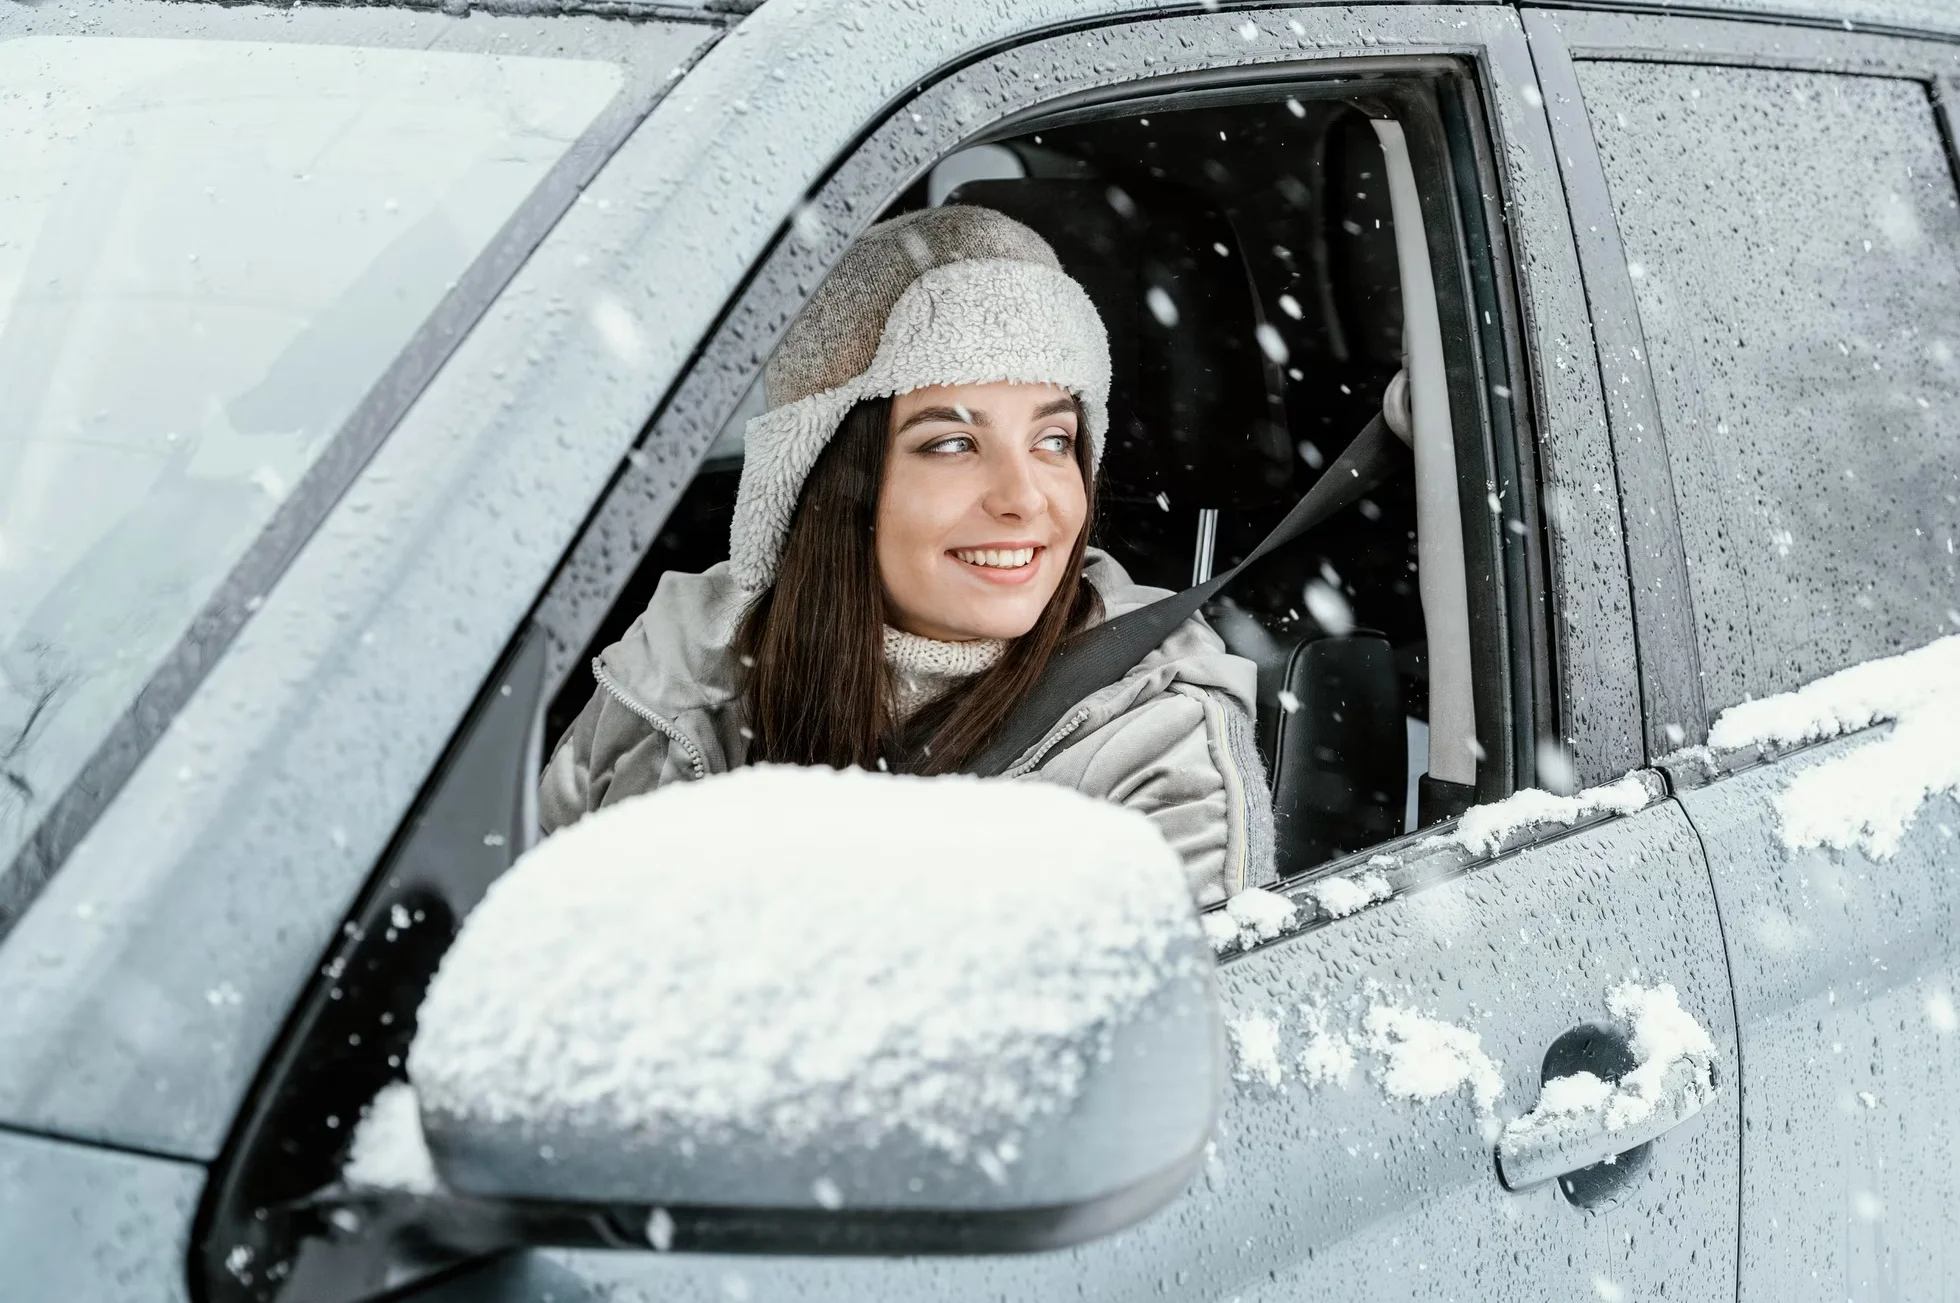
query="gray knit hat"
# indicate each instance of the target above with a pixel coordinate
(947, 296)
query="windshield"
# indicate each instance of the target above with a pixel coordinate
(209, 252)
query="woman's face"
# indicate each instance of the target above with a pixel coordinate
(981, 506)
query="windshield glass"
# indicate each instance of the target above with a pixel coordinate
(209, 252)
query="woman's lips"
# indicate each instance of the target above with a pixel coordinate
(988, 563)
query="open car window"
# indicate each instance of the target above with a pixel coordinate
(1243, 255)
(173, 364)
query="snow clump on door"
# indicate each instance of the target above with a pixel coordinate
(1344, 894)
(1673, 1077)
(1252, 916)
(1484, 829)
(1664, 1036)
(1426, 1058)
(1256, 1038)
(808, 958)
(1869, 796)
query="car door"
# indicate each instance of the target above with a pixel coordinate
(1378, 1055)
(1424, 987)
(1802, 374)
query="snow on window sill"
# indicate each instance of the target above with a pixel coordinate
(1348, 886)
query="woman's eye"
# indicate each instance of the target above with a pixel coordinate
(955, 443)
(1056, 441)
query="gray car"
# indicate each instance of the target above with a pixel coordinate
(362, 368)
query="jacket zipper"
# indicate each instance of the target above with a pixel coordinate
(610, 684)
(1048, 744)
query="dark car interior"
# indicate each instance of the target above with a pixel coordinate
(1243, 260)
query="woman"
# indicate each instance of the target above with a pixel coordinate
(909, 549)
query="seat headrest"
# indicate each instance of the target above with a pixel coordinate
(1197, 409)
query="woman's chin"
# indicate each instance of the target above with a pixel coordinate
(1006, 630)
(970, 603)
(972, 625)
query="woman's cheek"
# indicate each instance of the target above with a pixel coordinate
(1068, 503)
(916, 523)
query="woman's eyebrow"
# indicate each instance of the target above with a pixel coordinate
(959, 416)
(1055, 408)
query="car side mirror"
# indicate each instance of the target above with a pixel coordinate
(808, 1010)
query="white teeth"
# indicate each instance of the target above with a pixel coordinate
(999, 558)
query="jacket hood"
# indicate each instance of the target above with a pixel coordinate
(675, 659)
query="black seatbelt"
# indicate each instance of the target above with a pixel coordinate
(1098, 657)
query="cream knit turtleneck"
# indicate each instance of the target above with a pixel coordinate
(923, 670)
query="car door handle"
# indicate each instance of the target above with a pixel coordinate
(1578, 1123)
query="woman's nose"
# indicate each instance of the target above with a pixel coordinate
(1012, 491)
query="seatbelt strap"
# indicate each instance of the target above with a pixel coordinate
(1099, 656)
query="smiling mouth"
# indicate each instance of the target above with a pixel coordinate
(1005, 558)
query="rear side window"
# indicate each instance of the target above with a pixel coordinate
(210, 250)
(1794, 245)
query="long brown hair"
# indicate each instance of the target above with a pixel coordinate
(818, 690)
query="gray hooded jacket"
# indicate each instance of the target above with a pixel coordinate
(1171, 739)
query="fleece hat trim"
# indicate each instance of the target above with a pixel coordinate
(969, 321)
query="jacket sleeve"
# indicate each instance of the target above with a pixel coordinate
(608, 754)
(1186, 761)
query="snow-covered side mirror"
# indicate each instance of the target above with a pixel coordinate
(802, 1010)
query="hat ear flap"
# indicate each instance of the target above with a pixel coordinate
(781, 449)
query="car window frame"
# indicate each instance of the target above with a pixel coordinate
(1666, 646)
(1517, 677)
(348, 450)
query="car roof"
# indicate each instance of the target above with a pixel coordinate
(1920, 17)
(1941, 17)
(664, 9)
(1932, 17)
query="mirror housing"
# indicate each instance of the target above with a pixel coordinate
(808, 1010)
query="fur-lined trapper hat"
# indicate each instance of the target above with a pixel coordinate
(948, 296)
